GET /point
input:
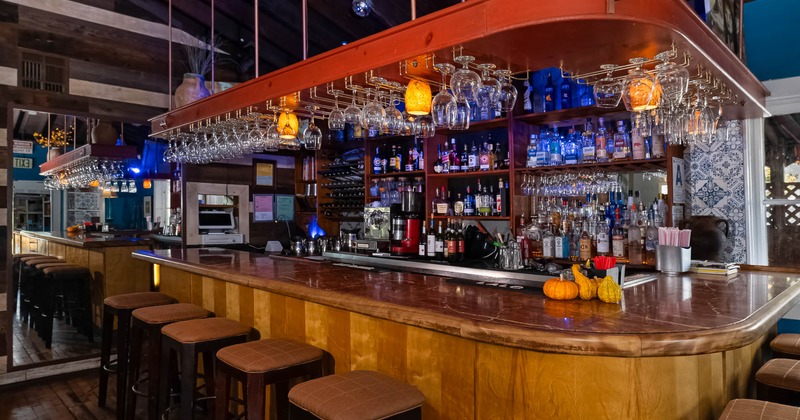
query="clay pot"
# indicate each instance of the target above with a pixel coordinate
(104, 133)
(191, 89)
(709, 236)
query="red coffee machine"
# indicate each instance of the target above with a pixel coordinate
(407, 224)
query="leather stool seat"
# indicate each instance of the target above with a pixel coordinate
(355, 395)
(780, 373)
(787, 344)
(200, 330)
(175, 312)
(32, 261)
(65, 269)
(137, 300)
(269, 354)
(742, 409)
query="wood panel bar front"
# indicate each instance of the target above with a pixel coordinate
(369, 323)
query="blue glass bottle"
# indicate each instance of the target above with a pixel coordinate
(543, 149)
(566, 92)
(571, 148)
(556, 156)
(549, 93)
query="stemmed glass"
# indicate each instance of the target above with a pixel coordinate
(352, 114)
(488, 91)
(394, 118)
(336, 118)
(699, 122)
(444, 104)
(373, 116)
(508, 93)
(272, 137)
(465, 81)
(673, 78)
(312, 135)
(638, 87)
(720, 122)
(607, 91)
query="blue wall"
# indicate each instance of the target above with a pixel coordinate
(39, 157)
(771, 34)
(126, 210)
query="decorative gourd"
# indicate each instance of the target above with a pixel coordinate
(560, 289)
(609, 291)
(587, 288)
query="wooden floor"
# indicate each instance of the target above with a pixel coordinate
(72, 396)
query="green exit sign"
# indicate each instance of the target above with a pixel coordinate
(23, 163)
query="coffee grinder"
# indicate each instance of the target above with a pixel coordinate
(407, 224)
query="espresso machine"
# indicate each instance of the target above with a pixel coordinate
(407, 224)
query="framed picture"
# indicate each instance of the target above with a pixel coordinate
(263, 208)
(284, 207)
(264, 173)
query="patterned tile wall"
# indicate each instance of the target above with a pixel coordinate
(715, 186)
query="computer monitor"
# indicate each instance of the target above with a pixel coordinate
(216, 220)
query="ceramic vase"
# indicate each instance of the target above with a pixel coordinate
(191, 89)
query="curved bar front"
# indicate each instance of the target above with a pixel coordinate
(678, 347)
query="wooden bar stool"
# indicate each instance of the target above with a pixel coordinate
(786, 344)
(147, 322)
(356, 395)
(259, 363)
(743, 409)
(779, 380)
(27, 275)
(17, 261)
(70, 282)
(188, 339)
(121, 307)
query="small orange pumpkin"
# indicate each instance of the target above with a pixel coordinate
(560, 289)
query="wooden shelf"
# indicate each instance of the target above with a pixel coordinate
(496, 218)
(574, 116)
(470, 174)
(397, 174)
(619, 166)
(379, 139)
(216, 206)
(477, 126)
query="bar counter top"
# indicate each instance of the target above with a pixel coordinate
(86, 239)
(674, 315)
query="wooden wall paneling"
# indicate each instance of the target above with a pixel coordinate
(77, 256)
(329, 329)
(96, 264)
(246, 305)
(124, 274)
(57, 250)
(231, 300)
(8, 48)
(220, 297)
(177, 283)
(262, 312)
(363, 345)
(117, 76)
(208, 295)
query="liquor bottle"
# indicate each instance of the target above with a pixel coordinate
(484, 160)
(588, 145)
(410, 162)
(548, 243)
(549, 93)
(416, 157)
(558, 245)
(543, 149)
(574, 243)
(423, 242)
(556, 158)
(430, 246)
(534, 235)
(619, 245)
(532, 149)
(461, 248)
(473, 158)
(662, 209)
(376, 162)
(658, 145)
(566, 92)
(435, 201)
(445, 156)
(469, 203)
(398, 161)
(393, 160)
(440, 243)
(454, 158)
(458, 206)
(651, 237)
(505, 161)
(565, 240)
(586, 251)
(603, 242)
(571, 148)
(449, 243)
(421, 159)
(637, 144)
(442, 205)
(464, 159)
(622, 149)
(600, 141)
(502, 198)
(450, 202)
(437, 165)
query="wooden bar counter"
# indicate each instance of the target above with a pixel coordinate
(108, 257)
(678, 347)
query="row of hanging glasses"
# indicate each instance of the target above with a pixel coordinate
(667, 100)
(85, 173)
(578, 183)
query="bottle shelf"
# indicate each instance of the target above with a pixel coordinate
(470, 174)
(499, 218)
(617, 166)
(379, 139)
(396, 174)
(578, 114)
(477, 126)
(216, 206)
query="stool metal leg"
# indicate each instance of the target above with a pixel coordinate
(222, 390)
(188, 381)
(133, 372)
(105, 355)
(123, 331)
(164, 380)
(155, 373)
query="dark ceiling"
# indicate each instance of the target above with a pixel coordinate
(330, 24)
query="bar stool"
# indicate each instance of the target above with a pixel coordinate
(778, 380)
(71, 283)
(38, 291)
(743, 409)
(148, 322)
(355, 395)
(260, 363)
(17, 261)
(27, 275)
(187, 339)
(786, 344)
(121, 307)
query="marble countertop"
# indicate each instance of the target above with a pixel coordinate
(674, 315)
(87, 239)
